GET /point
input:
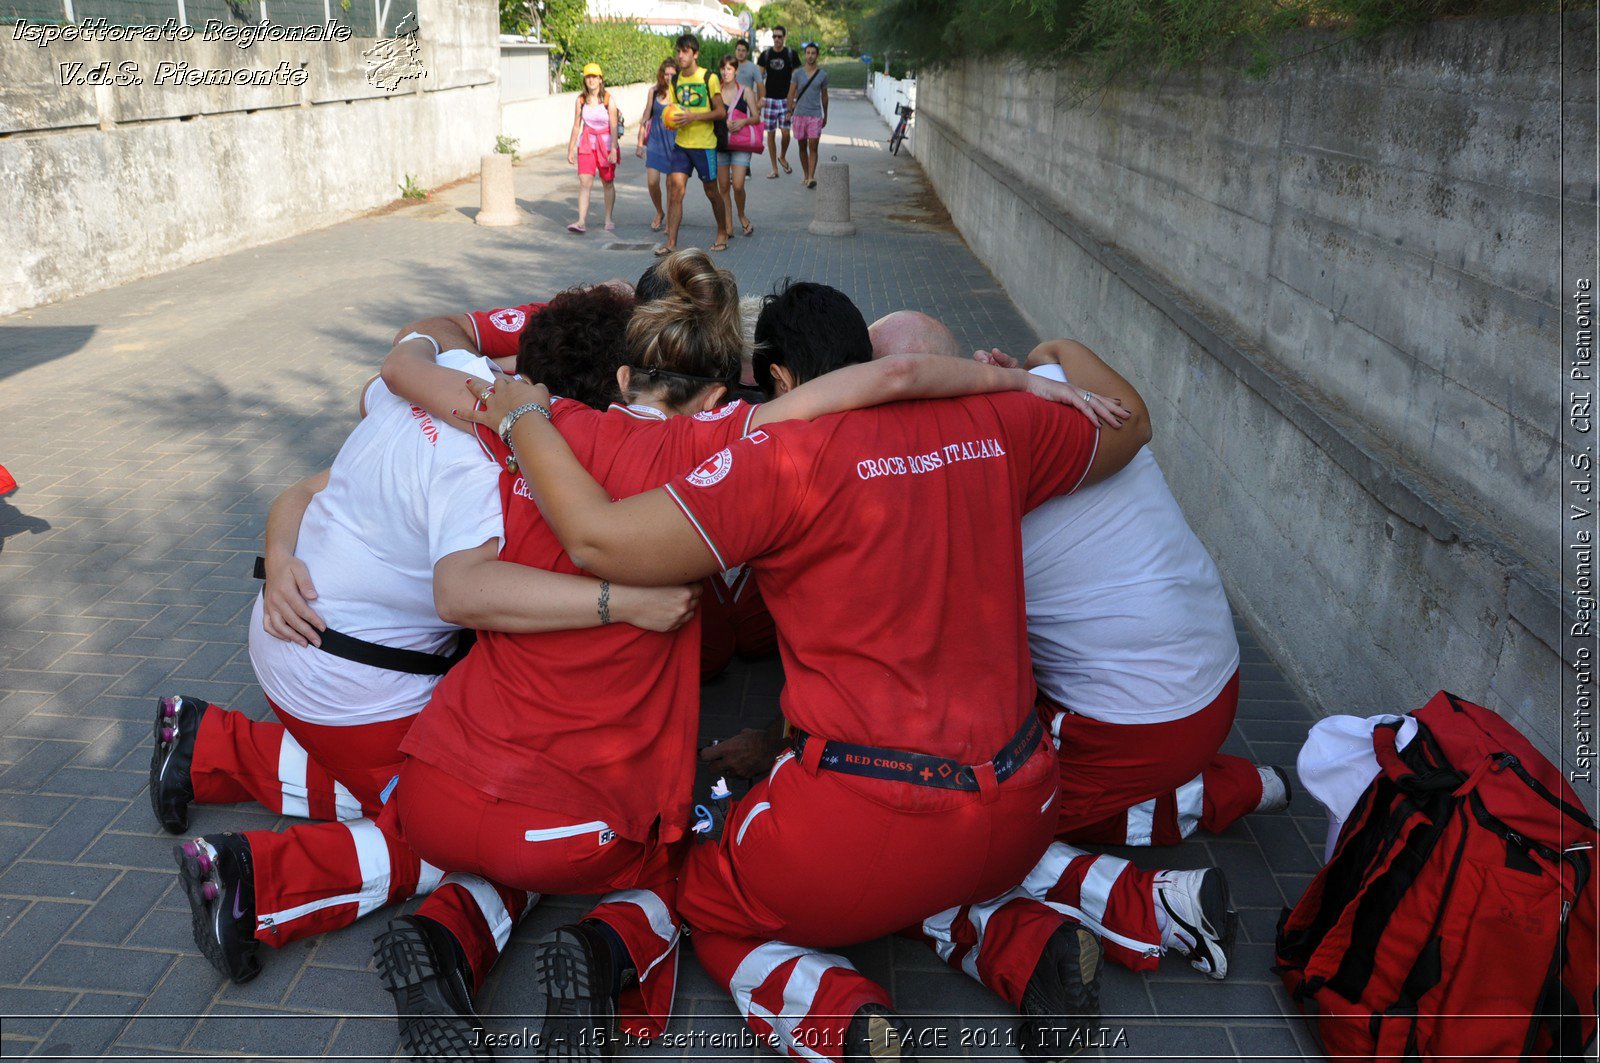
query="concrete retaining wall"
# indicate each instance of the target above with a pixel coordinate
(113, 183)
(1337, 288)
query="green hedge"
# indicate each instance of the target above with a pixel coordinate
(626, 53)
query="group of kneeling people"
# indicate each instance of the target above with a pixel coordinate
(928, 773)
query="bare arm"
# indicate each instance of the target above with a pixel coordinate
(450, 333)
(824, 105)
(474, 588)
(286, 611)
(1085, 370)
(577, 126)
(644, 539)
(411, 372)
(901, 377)
(611, 113)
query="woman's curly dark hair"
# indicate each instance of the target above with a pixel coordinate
(575, 344)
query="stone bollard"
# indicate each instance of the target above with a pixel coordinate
(833, 201)
(497, 199)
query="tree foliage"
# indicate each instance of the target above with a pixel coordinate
(1142, 38)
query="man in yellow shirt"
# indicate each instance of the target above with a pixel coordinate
(698, 91)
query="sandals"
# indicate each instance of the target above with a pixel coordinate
(785, 164)
(663, 251)
(655, 226)
(720, 245)
(749, 230)
(811, 183)
(576, 228)
(611, 226)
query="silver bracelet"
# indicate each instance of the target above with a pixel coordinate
(605, 601)
(509, 420)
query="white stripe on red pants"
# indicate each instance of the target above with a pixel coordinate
(807, 862)
(294, 767)
(459, 826)
(317, 877)
(1151, 784)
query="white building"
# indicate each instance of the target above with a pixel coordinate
(707, 19)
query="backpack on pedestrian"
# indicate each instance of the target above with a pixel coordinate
(1457, 915)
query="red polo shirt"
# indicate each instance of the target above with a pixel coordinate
(499, 331)
(888, 548)
(599, 723)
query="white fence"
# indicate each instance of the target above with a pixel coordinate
(886, 93)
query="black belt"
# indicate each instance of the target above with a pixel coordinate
(412, 662)
(920, 769)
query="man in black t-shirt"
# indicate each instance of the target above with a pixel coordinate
(777, 63)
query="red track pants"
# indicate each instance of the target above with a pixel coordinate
(1151, 784)
(293, 767)
(456, 825)
(811, 860)
(313, 878)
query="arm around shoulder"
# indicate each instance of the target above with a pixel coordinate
(1088, 371)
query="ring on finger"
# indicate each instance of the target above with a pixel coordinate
(1088, 396)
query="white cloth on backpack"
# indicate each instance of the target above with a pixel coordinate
(1337, 764)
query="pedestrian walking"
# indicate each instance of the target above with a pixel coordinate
(699, 93)
(593, 145)
(750, 75)
(656, 140)
(738, 137)
(808, 105)
(778, 63)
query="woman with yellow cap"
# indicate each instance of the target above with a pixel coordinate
(593, 146)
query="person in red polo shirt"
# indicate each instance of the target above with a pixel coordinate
(887, 544)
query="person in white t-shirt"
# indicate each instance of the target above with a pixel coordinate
(408, 518)
(1137, 665)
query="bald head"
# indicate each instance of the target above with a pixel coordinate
(912, 332)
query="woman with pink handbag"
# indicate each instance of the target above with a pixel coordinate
(737, 138)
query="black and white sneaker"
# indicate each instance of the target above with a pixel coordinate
(1061, 1003)
(422, 966)
(878, 1035)
(219, 877)
(171, 790)
(1200, 918)
(572, 969)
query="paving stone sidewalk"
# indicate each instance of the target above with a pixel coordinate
(151, 425)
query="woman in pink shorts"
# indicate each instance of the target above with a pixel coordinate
(593, 145)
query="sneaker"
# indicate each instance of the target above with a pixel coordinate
(1061, 1003)
(422, 966)
(1276, 792)
(878, 1035)
(171, 789)
(572, 969)
(218, 875)
(1201, 922)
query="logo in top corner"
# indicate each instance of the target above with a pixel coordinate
(713, 469)
(508, 320)
(717, 414)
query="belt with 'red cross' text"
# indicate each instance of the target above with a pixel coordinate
(920, 769)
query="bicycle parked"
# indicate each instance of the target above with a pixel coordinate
(904, 110)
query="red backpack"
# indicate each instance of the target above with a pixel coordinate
(1457, 916)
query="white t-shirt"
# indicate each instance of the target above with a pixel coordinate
(404, 492)
(1127, 618)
